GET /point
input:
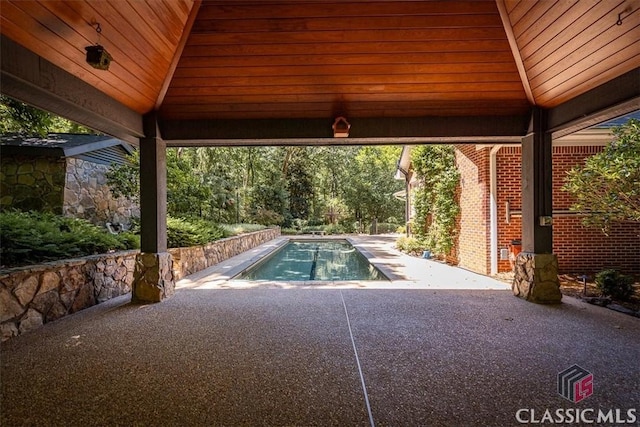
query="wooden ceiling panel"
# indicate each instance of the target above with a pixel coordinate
(240, 56)
(243, 59)
(591, 59)
(568, 27)
(480, 69)
(569, 47)
(141, 40)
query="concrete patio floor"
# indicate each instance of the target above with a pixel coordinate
(437, 346)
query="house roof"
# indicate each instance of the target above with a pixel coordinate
(236, 71)
(619, 120)
(101, 149)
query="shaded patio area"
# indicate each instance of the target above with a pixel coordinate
(400, 354)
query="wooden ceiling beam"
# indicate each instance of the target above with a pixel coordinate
(178, 52)
(515, 50)
(296, 131)
(31, 79)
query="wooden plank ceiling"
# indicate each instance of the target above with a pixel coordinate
(142, 37)
(568, 47)
(320, 59)
(358, 59)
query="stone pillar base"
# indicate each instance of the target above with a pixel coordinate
(153, 279)
(536, 278)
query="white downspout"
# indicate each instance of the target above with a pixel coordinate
(493, 207)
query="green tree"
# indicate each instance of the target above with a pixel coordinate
(371, 185)
(435, 199)
(124, 180)
(18, 117)
(300, 185)
(607, 187)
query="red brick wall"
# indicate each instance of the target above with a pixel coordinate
(473, 221)
(586, 249)
(579, 249)
(509, 189)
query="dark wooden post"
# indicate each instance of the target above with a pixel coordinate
(536, 267)
(153, 276)
(537, 176)
(153, 190)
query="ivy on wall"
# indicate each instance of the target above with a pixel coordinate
(435, 198)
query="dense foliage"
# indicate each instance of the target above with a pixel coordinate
(614, 284)
(435, 198)
(193, 232)
(607, 187)
(276, 185)
(333, 189)
(33, 237)
(18, 117)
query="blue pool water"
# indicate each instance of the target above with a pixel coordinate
(314, 260)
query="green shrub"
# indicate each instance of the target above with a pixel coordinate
(334, 229)
(289, 231)
(191, 232)
(268, 217)
(401, 229)
(386, 227)
(348, 226)
(310, 229)
(34, 237)
(235, 229)
(614, 284)
(315, 221)
(411, 245)
(131, 240)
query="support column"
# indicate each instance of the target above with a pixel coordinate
(536, 267)
(153, 278)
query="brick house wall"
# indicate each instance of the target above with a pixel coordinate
(587, 249)
(509, 189)
(473, 222)
(579, 249)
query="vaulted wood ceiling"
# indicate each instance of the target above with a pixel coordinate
(289, 59)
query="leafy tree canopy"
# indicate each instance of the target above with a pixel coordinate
(607, 187)
(18, 117)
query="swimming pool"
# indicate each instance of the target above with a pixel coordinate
(309, 260)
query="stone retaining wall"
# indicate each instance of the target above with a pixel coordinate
(33, 295)
(189, 260)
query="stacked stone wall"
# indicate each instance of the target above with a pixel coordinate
(33, 295)
(87, 195)
(192, 259)
(32, 183)
(71, 187)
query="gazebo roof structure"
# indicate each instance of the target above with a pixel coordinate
(270, 72)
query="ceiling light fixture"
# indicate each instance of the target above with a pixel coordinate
(97, 55)
(341, 128)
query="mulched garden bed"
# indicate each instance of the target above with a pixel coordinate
(572, 285)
